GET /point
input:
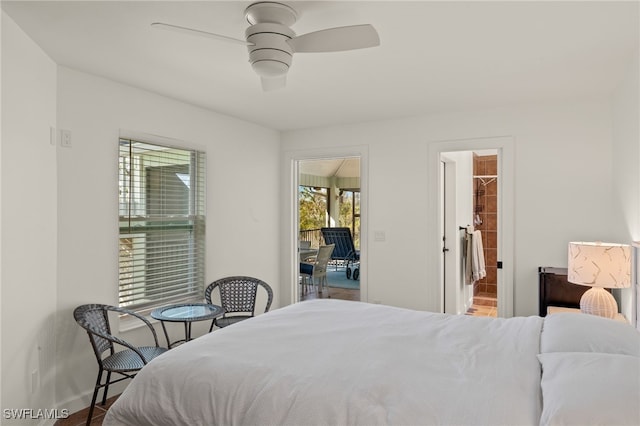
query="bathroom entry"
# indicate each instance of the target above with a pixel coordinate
(485, 219)
(469, 203)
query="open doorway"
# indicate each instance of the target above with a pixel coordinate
(328, 197)
(460, 206)
(470, 212)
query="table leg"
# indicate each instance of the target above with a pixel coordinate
(166, 335)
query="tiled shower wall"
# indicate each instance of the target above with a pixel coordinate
(485, 207)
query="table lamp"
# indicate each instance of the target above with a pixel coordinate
(600, 266)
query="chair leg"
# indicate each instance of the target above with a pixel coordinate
(322, 284)
(305, 283)
(95, 396)
(106, 388)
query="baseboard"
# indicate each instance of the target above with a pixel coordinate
(80, 402)
(468, 304)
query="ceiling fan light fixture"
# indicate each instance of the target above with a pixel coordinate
(270, 68)
(270, 55)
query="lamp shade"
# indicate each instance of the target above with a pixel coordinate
(605, 265)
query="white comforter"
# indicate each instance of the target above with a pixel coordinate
(345, 363)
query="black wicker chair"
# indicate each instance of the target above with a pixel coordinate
(238, 298)
(94, 319)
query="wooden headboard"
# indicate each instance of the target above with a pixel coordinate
(555, 290)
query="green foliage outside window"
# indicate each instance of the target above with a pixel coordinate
(313, 208)
(314, 211)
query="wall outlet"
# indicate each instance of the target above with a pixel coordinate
(65, 138)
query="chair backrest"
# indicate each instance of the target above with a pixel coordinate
(341, 237)
(322, 260)
(94, 318)
(238, 294)
(303, 244)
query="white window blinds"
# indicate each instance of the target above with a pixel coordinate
(162, 224)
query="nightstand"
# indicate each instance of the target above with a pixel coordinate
(558, 309)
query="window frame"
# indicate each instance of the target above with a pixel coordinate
(176, 210)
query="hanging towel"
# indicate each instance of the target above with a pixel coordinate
(468, 247)
(478, 270)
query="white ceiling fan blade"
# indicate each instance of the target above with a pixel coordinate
(273, 83)
(191, 31)
(336, 39)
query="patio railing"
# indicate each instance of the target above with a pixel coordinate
(313, 235)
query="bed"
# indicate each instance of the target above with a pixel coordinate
(332, 362)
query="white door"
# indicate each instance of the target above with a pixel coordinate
(450, 244)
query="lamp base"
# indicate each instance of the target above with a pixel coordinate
(598, 301)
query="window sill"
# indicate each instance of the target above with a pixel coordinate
(128, 323)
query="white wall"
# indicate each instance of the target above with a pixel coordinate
(242, 212)
(28, 177)
(626, 154)
(563, 189)
(626, 167)
(59, 213)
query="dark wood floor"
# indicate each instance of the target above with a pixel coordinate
(480, 308)
(333, 293)
(80, 418)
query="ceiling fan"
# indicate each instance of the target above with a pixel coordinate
(271, 43)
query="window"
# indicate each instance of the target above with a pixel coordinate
(350, 213)
(314, 207)
(162, 224)
(314, 212)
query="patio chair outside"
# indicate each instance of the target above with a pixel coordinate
(316, 271)
(344, 249)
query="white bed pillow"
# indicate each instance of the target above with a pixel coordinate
(590, 389)
(569, 332)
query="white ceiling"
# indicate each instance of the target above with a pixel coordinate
(336, 167)
(433, 57)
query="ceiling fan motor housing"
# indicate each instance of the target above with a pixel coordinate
(270, 55)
